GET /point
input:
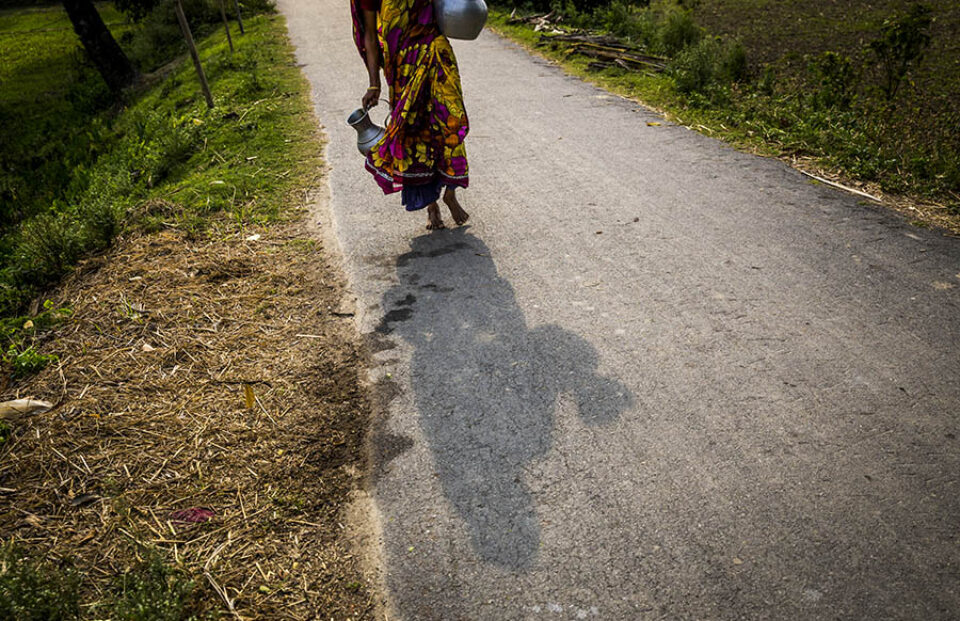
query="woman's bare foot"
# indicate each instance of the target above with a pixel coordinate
(460, 216)
(433, 215)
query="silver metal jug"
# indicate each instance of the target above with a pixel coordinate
(460, 19)
(368, 133)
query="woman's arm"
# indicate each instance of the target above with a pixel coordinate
(372, 44)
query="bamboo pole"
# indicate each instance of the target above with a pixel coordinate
(236, 5)
(185, 27)
(226, 26)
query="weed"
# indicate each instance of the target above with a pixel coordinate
(164, 144)
(696, 68)
(154, 591)
(36, 590)
(678, 31)
(901, 45)
(733, 62)
(834, 78)
(5, 432)
(26, 361)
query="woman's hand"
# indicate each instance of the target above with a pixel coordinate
(371, 97)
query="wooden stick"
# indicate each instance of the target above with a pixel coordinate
(185, 27)
(841, 187)
(226, 26)
(236, 5)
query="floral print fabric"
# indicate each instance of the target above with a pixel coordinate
(427, 123)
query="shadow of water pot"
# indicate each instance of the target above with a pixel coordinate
(368, 133)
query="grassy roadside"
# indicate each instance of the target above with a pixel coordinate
(208, 426)
(810, 109)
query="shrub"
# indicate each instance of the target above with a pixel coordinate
(733, 62)
(32, 590)
(678, 31)
(902, 42)
(695, 69)
(834, 79)
(27, 361)
(631, 21)
(154, 592)
(49, 245)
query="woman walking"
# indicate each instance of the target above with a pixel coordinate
(422, 152)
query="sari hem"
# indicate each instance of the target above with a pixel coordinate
(395, 182)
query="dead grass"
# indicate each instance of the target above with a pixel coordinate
(200, 373)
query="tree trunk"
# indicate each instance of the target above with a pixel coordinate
(111, 62)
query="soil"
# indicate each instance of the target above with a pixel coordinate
(219, 373)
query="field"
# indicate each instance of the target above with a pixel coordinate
(835, 88)
(787, 34)
(162, 291)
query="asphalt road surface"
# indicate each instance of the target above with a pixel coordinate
(655, 378)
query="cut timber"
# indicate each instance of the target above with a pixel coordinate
(607, 50)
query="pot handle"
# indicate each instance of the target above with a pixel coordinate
(386, 119)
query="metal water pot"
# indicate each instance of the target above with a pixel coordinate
(460, 19)
(368, 133)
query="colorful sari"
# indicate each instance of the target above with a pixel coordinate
(423, 147)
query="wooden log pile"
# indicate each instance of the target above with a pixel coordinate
(607, 50)
(541, 22)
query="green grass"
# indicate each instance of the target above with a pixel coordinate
(46, 93)
(790, 79)
(161, 159)
(37, 589)
(32, 589)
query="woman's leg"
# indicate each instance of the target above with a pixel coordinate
(434, 221)
(460, 216)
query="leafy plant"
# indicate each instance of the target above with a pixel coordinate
(903, 40)
(834, 78)
(695, 68)
(678, 31)
(36, 590)
(733, 62)
(26, 361)
(154, 591)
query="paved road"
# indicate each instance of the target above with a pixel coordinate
(655, 379)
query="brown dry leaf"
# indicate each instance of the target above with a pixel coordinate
(23, 407)
(248, 396)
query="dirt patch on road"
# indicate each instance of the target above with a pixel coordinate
(199, 375)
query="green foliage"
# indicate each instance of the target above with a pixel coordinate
(5, 432)
(19, 336)
(733, 62)
(678, 31)
(26, 361)
(36, 590)
(32, 589)
(154, 591)
(708, 67)
(157, 37)
(826, 104)
(834, 80)
(164, 145)
(627, 20)
(696, 68)
(902, 42)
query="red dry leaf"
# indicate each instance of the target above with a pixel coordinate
(193, 515)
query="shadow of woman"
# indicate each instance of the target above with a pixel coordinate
(486, 386)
